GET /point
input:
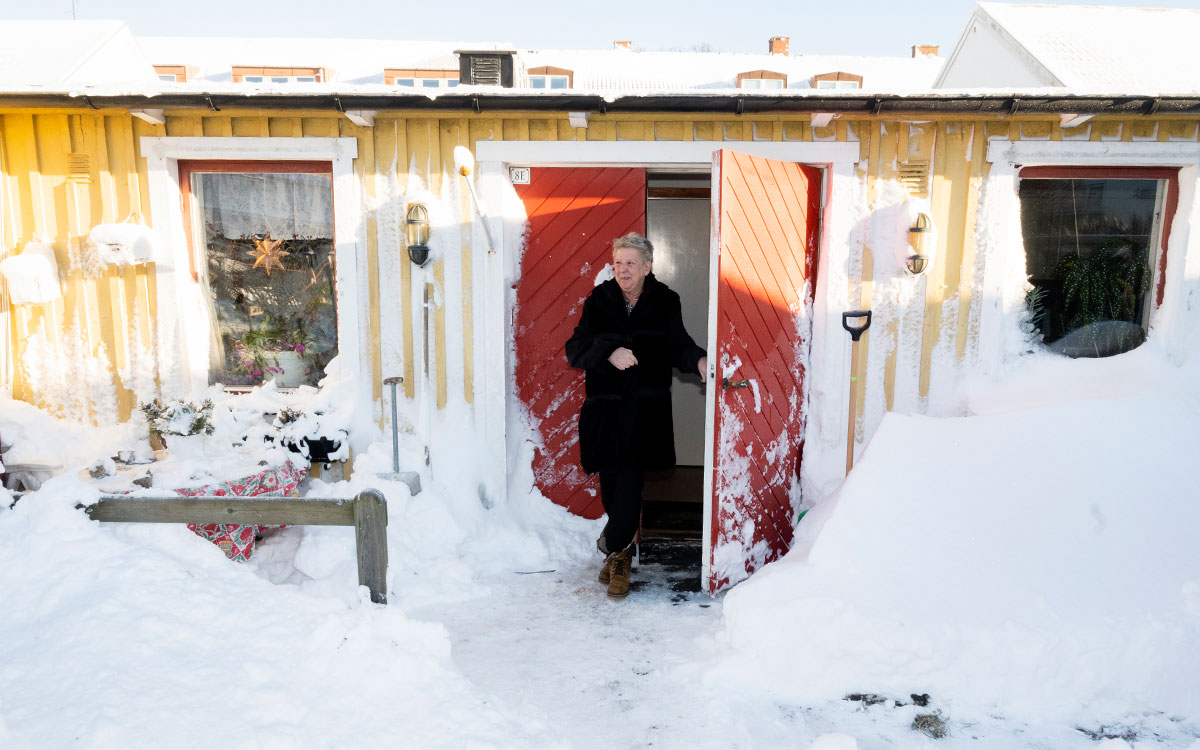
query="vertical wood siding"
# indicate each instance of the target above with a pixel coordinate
(111, 318)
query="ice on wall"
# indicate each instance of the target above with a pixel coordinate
(73, 381)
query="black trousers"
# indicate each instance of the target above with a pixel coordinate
(621, 493)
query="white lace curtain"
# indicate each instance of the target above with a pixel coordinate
(283, 205)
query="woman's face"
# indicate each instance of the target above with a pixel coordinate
(630, 269)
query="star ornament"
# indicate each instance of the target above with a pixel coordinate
(266, 252)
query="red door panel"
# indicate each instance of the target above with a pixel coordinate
(573, 217)
(766, 240)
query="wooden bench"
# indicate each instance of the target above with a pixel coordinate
(366, 512)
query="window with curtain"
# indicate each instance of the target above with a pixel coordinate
(263, 254)
(1089, 253)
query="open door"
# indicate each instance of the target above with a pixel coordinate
(574, 214)
(764, 245)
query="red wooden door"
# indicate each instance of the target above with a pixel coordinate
(573, 217)
(765, 240)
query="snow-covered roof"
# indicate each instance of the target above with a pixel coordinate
(360, 61)
(345, 60)
(57, 54)
(1084, 48)
(677, 71)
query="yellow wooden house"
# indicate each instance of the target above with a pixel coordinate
(952, 214)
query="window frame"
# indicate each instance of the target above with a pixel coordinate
(190, 204)
(1166, 206)
(180, 333)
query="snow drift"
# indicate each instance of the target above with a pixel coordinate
(1037, 558)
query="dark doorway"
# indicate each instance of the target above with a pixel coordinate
(677, 222)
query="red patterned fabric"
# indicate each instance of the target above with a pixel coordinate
(237, 540)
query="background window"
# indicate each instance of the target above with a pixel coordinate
(1088, 253)
(265, 263)
(548, 82)
(762, 83)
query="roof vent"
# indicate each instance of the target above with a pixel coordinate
(485, 68)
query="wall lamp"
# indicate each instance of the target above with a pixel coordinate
(918, 239)
(416, 227)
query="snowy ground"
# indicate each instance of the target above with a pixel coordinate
(1044, 593)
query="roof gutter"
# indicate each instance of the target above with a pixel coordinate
(881, 105)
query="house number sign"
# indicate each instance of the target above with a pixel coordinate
(518, 175)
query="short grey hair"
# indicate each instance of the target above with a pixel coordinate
(635, 241)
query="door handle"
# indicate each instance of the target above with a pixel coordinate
(735, 383)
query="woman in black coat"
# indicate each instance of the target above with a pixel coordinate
(630, 334)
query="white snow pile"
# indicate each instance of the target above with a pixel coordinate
(1036, 559)
(32, 276)
(145, 635)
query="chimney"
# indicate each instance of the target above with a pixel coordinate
(623, 44)
(778, 45)
(925, 50)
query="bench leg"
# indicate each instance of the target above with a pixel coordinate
(370, 536)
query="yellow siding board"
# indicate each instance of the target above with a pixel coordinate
(1183, 130)
(249, 126)
(668, 131)
(284, 127)
(401, 169)
(139, 130)
(184, 125)
(971, 211)
(484, 130)
(453, 136)
(218, 126)
(868, 148)
(601, 130)
(319, 127)
(512, 130)
(1143, 129)
(1035, 129)
(941, 190)
(889, 150)
(704, 131)
(797, 131)
(632, 131)
(540, 130)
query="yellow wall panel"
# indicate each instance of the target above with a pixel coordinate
(668, 131)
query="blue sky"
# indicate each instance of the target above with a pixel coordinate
(860, 27)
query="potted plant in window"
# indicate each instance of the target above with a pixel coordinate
(279, 350)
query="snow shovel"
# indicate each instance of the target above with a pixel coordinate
(410, 478)
(856, 332)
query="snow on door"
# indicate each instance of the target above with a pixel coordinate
(765, 217)
(573, 217)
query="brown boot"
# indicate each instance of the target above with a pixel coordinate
(606, 571)
(621, 566)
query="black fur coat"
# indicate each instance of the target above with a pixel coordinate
(626, 419)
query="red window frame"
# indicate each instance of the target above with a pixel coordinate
(1170, 200)
(194, 166)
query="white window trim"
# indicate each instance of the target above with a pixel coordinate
(1003, 250)
(181, 328)
(828, 398)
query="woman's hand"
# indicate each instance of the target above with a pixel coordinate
(702, 367)
(622, 358)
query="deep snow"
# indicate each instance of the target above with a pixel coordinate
(1041, 586)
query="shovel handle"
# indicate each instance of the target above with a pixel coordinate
(856, 332)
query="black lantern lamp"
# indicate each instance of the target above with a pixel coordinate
(416, 226)
(918, 238)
